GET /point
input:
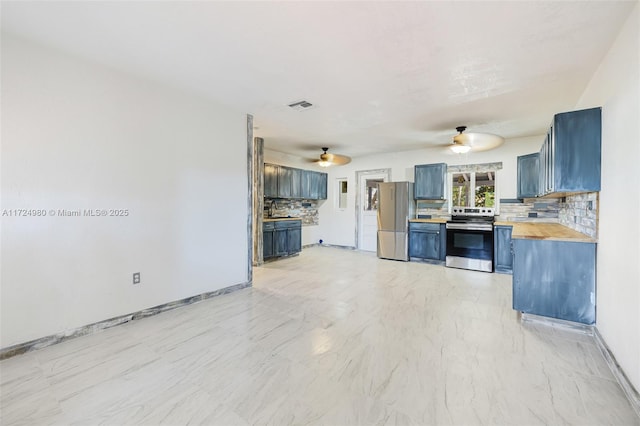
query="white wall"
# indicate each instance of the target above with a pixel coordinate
(337, 226)
(616, 87)
(76, 135)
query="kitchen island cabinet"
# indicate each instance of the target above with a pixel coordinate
(555, 278)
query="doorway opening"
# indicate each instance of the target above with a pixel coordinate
(367, 207)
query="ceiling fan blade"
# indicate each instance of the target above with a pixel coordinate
(479, 141)
(340, 160)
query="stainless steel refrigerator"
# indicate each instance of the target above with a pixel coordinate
(395, 207)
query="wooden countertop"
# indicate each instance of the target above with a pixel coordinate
(276, 219)
(545, 231)
(432, 220)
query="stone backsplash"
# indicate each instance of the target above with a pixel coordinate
(307, 210)
(433, 209)
(580, 212)
(530, 210)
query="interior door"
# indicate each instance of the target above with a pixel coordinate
(368, 211)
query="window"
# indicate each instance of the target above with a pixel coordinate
(342, 194)
(473, 189)
(371, 201)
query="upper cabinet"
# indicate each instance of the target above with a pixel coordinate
(271, 180)
(528, 175)
(291, 183)
(429, 181)
(570, 155)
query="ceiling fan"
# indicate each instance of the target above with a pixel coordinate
(465, 142)
(327, 159)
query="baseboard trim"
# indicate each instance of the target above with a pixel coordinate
(627, 387)
(558, 323)
(53, 339)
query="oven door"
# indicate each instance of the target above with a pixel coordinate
(469, 248)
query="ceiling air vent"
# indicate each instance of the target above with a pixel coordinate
(301, 105)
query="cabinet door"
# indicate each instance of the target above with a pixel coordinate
(296, 183)
(294, 240)
(528, 175)
(576, 151)
(280, 242)
(305, 185)
(285, 176)
(424, 241)
(271, 180)
(429, 181)
(314, 185)
(322, 186)
(502, 255)
(555, 279)
(267, 244)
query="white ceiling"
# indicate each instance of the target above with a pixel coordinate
(383, 76)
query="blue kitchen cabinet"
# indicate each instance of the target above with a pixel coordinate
(267, 239)
(528, 175)
(271, 180)
(555, 279)
(426, 241)
(571, 153)
(281, 238)
(502, 254)
(285, 178)
(296, 182)
(294, 239)
(430, 181)
(322, 186)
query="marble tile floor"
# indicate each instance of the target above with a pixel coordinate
(330, 337)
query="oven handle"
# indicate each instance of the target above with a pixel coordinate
(469, 227)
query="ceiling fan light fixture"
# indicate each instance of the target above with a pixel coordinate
(324, 163)
(460, 149)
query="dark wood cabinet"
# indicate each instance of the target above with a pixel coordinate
(427, 241)
(291, 183)
(571, 153)
(322, 186)
(281, 238)
(271, 180)
(296, 183)
(502, 254)
(430, 181)
(528, 175)
(285, 178)
(267, 239)
(555, 279)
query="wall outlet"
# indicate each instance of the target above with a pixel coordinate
(136, 277)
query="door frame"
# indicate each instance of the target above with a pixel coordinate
(386, 175)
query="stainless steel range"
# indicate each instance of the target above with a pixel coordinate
(470, 238)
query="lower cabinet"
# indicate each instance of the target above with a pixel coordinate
(502, 254)
(427, 240)
(281, 238)
(555, 279)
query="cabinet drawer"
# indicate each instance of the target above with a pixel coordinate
(268, 226)
(424, 227)
(288, 224)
